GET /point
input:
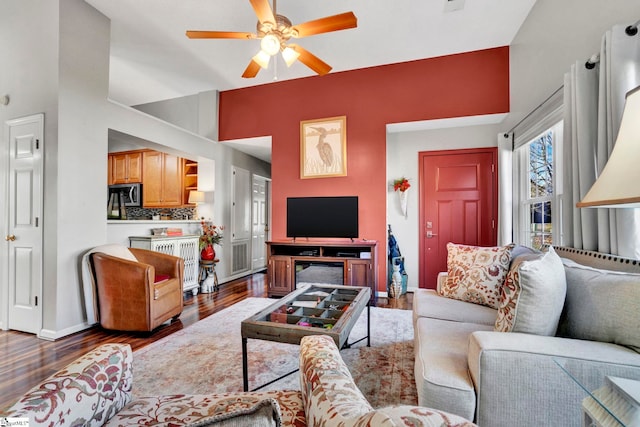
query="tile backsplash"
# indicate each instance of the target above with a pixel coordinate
(185, 213)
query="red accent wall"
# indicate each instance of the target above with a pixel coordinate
(465, 84)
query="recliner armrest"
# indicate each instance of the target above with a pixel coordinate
(169, 265)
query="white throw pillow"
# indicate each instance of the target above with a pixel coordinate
(118, 251)
(533, 294)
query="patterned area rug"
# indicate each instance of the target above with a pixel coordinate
(207, 358)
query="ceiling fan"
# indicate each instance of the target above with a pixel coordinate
(275, 30)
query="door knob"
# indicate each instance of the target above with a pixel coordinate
(430, 234)
(10, 238)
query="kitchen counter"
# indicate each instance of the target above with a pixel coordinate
(118, 231)
(151, 221)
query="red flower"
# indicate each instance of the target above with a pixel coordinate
(401, 184)
(211, 234)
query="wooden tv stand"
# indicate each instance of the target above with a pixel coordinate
(357, 258)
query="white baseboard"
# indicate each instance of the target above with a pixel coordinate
(51, 335)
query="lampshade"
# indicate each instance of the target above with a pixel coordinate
(270, 44)
(290, 56)
(196, 196)
(618, 186)
(262, 59)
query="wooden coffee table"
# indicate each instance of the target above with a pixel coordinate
(311, 310)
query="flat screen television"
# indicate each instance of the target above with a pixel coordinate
(322, 216)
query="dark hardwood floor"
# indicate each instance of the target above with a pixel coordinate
(27, 360)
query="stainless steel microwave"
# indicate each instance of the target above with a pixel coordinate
(132, 193)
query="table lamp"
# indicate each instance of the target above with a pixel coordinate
(195, 198)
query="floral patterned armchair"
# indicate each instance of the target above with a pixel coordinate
(95, 390)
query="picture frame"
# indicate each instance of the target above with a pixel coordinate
(323, 147)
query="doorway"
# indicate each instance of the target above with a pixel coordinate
(260, 222)
(23, 219)
(458, 203)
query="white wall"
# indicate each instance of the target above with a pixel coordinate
(402, 160)
(554, 36)
(29, 52)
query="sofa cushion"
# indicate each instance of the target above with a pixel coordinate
(441, 370)
(427, 303)
(533, 294)
(184, 410)
(88, 391)
(475, 274)
(265, 413)
(601, 305)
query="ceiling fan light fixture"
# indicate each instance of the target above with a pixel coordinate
(270, 44)
(262, 59)
(290, 56)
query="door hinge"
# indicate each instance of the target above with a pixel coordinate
(493, 224)
(37, 144)
(493, 168)
(37, 221)
(36, 300)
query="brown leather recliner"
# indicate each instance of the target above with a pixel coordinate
(138, 296)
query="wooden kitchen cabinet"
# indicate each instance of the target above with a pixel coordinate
(125, 167)
(189, 179)
(162, 179)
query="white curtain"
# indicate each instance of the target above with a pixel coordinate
(505, 189)
(594, 100)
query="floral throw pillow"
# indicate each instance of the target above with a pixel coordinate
(533, 294)
(475, 274)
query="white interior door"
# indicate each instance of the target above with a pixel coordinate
(24, 228)
(259, 223)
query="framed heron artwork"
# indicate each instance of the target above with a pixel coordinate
(323, 147)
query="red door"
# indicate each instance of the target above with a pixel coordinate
(458, 203)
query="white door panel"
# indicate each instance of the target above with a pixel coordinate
(259, 222)
(24, 237)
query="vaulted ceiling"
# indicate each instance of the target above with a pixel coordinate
(152, 59)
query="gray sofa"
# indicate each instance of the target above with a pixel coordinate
(464, 367)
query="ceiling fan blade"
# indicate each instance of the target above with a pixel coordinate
(263, 11)
(311, 61)
(219, 35)
(342, 21)
(252, 70)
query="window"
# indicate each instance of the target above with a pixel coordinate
(540, 189)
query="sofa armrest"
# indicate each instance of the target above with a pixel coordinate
(331, 397)
(328, 390)
(89, 391)
(516, 374)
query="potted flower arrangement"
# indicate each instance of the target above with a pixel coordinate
(211, 235)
